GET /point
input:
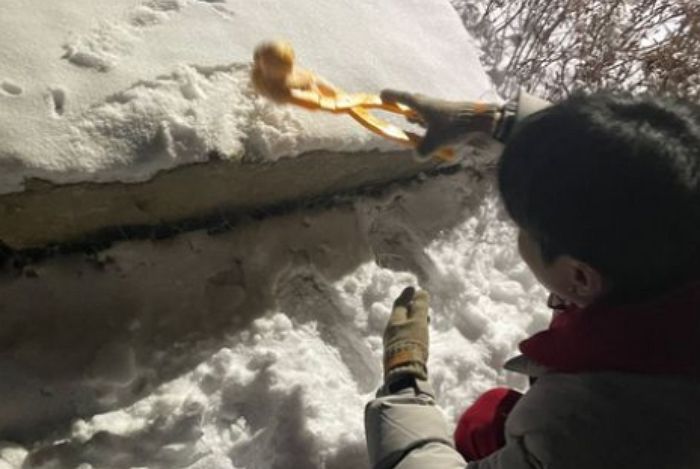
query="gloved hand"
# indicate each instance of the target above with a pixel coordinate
(447, 121)
(406, 337)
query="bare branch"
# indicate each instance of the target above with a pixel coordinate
(557, 46)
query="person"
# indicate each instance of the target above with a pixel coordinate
(605, 191)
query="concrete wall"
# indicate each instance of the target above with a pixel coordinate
(47, 214)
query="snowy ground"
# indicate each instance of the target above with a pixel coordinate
(286, 387)
(272, 368)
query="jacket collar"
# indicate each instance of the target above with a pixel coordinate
(660, 336)
(522, 364)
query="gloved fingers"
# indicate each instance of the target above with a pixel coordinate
(410, 304)
(420, 306)
(390, 95)
(404, 299)
(402, 305)
(412, 100)
(417, 119)
(431, 142)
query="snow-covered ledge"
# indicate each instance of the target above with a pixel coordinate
(111, 111)
(256, 346)
(196, 195)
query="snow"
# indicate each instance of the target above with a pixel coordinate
(118, 90)
(288, 388)
(105, 90)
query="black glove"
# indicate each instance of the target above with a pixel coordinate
(447, 121)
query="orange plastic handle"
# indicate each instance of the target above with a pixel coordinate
(357, 106)
(275, 75)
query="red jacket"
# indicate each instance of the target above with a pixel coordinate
(659, 336)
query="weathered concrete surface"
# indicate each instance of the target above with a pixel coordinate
(46, 214)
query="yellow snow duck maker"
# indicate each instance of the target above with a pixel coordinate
(276, 76)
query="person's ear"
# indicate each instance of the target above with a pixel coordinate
(586, 284)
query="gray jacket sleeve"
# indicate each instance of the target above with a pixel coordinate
(408, 431)
(514, 455)
(524, 105)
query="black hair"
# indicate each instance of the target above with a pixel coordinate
(613, 180)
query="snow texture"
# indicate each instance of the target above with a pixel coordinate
(105, 90)
(287, 387)
(118, 90)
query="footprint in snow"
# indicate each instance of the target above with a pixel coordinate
(153, 12)
(220, 8)
(164, 5)
(57, 99)
(11, 88)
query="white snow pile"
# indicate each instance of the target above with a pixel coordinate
(287, 390)
(109, 90)
(105, 90)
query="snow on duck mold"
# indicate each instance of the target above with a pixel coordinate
(107, 92)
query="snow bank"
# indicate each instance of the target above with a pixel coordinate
(258, 347)
(117, 90)
(253, 350)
